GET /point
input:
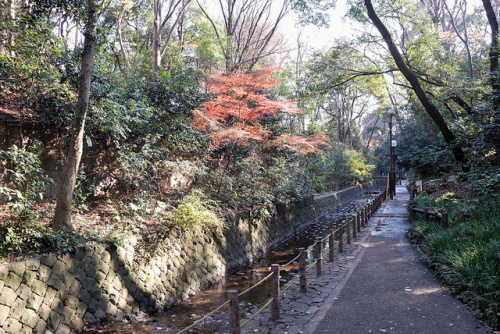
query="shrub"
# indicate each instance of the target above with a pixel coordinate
(22, 239)
(196, 210)
(25, 180)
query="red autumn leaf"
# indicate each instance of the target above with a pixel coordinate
(240, 102)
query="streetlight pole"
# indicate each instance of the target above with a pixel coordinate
(391, 157)
(393, 162)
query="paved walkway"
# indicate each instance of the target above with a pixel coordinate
(377, 285)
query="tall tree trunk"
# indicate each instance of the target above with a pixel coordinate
(465, 38)
(3, 32)
(7, 16)
(429, 107)
(494, 80)
(119, 36)
(174, 12)
(492, 131)
(156, 37)
(62, 216)
(373, 129)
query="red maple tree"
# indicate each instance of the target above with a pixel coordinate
(240, 102)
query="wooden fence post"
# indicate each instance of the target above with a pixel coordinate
(234, 312)
(275, 292)
(426, 213)
(412, 214)
(411, 202)
(319, 257)
(331, 245)
(444, 220)
(358, 219)
(340, 236)
(302, 270)
(348, 231)
(354, 226)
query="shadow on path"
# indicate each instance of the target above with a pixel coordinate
(389, 290)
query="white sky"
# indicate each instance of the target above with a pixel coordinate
(321, 38)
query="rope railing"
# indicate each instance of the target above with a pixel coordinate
(255, 285)
(290, 283)
(291, 261)
(350, 225)
(204, 317)
(257, 313)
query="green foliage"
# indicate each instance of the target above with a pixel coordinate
(120, 114)
(287, 179)
(196, 210)
(359, 169)
(467, 253)
(83, 190)
(21, 239)
(140, 162)
(36, 78)
(319, 184)
(482, 180)
(313, 11)
(56, 106)
(71, 8)
(338, 167)
(24, 180)
(249, 182)
(204, 38)
(146, 121)
(177, 92)
(421, 150)
(7, 71)
(130, 112)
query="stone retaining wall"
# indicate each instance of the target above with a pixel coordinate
(58, 293)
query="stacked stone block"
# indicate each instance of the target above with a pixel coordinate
(57, 293)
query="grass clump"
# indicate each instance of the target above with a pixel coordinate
(467, 254)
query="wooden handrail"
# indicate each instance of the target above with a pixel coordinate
(441, 216)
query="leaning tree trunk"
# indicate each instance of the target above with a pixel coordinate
(412, 78)
(62, 217)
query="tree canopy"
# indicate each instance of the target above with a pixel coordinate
(178, 83)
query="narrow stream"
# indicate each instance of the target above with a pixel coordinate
(186, 312)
